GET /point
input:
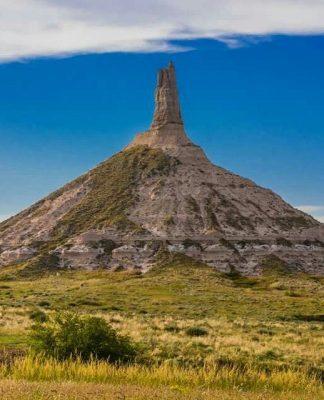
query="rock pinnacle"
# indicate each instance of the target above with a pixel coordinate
(167, 107)
(167, 129)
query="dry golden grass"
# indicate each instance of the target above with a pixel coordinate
(279, 342)
(261, 343)
(163, 376)
(256, 347)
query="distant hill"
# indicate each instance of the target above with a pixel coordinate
(162, 194)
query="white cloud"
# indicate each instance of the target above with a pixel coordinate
(316, 211)
(311, 208)
(32, 28)
(3, 217)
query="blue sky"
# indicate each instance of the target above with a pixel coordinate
(253, 100)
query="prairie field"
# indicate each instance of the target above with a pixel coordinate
(204, 335)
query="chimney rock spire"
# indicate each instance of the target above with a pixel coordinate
(167, 107)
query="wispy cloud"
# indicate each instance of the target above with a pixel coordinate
(311, 208)
(317, 211)
(33, 28)
(3, 217)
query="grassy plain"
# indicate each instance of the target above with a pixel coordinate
(262, 338)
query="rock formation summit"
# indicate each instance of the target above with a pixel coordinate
(167, 106)
(167, 129)
(162, 195)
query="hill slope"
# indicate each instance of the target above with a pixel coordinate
(162, 192)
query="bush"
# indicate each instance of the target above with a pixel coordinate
(196, 331)
(67, 335)
(38, 315)
(44, 303)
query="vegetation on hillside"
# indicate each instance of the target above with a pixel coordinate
(111, 192)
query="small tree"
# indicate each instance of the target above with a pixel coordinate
(69, 335)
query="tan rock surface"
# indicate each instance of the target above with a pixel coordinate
(190, 206)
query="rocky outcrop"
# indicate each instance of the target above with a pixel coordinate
(21, 253)
(167, 129)
(245, 256)
(167, 106)
(162, 194)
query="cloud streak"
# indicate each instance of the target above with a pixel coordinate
(3, 217)
(34, 28)
(316, 211)
(311, 208)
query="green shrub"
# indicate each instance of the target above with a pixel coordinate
(309, 318)
(269, 355)
(44, 303)
(38, 315)
(67, 335)
(196, 331)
